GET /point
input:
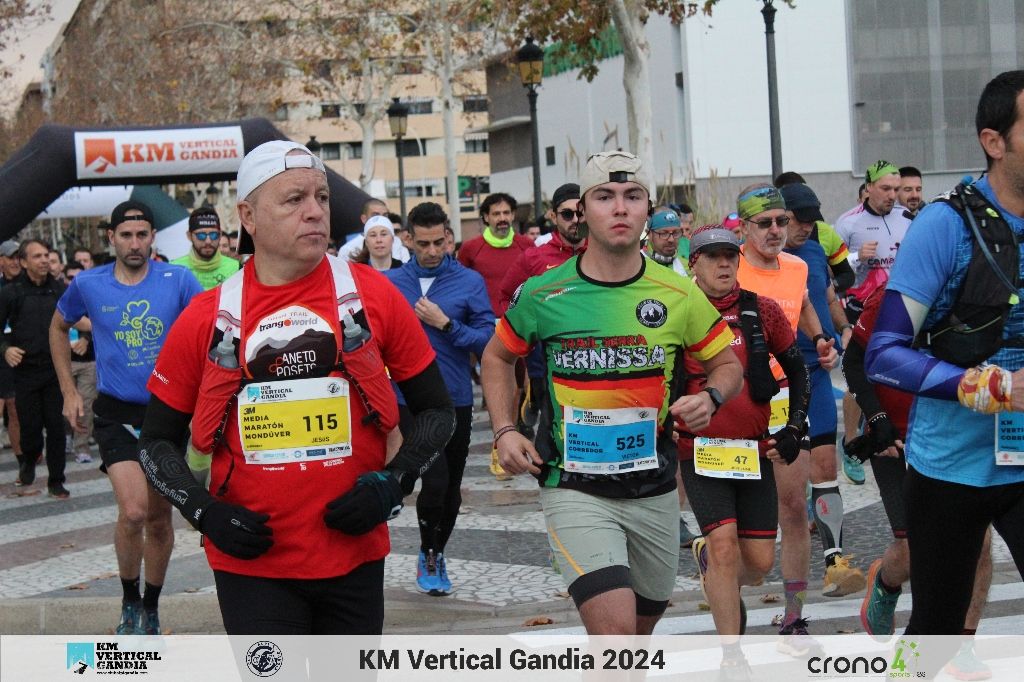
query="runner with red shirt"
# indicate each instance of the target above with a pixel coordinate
(730, 481)
(281, 371)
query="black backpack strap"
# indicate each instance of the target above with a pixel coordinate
(762, 383)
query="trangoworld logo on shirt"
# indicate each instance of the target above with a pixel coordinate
(291, 342)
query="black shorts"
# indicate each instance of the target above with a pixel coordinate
(351, 604)
(116, 443)
(752, 505)
(889, 474)
(115, 427)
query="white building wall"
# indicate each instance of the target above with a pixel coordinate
(727, 89)
(718, 121)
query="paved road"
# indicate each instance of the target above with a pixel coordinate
(58, 571)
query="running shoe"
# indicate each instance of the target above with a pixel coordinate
(699, 548)
(496, 469)
(878, 610)
(58, 491)
(444, 584)
(686, 538)
(26, 471)
(151, 622)
(966, 665)
(842, 579)
(83, 457)
(735, 670)
(131, 618)
(795, 640)
(853, 468)
(426, 572)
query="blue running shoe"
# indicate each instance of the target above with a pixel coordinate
(131, 619)
(426, 572)
(966, 665)
(444, 584)
(151, 622)
(878, 610)
(853, 469)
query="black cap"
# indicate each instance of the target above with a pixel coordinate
(117, 216)
(802, 201)
(203, 218)
(569, 190)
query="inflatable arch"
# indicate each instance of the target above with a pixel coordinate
(58, 158)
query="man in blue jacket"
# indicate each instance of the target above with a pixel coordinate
(452, 304)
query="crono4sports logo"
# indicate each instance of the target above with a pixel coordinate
(904, 664)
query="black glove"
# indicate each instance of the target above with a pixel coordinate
(787, 443)
(882, 432)
(235, 530)
(376, 498)
(860, 447)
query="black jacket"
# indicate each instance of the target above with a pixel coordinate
(28, 309)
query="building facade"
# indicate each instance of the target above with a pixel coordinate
(858, 80)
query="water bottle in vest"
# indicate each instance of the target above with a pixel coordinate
(223, 355)
(355, 335)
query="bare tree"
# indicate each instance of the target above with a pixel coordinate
(455, 39)
(17, 16)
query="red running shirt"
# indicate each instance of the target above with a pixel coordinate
(295, 494)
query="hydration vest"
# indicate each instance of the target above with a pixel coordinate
(762, 383)
(363, 369)
(972, 332)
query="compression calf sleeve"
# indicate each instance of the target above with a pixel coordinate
(828, 516)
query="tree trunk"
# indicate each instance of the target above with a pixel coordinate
(366, 170)
(629, 18)
(448, 120)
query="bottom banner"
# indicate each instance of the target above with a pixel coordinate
(533, 657)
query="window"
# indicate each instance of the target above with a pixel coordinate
(915, 75)
(421, 106)
(330, 151)
(330, 110)
(360, 108)
(355, 150)
(476, 145)
(411, 148)
(410, 67)
(549, 156)
(474, 104)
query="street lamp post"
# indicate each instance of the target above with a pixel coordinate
(315, 147)
(398, 119)
(531, 71)
(768, 12)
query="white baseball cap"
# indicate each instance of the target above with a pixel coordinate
(270, 159)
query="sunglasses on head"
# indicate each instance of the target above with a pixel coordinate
(765, 223)
(203, 236)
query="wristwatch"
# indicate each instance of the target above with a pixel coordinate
(447, 326)
(716, 397)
